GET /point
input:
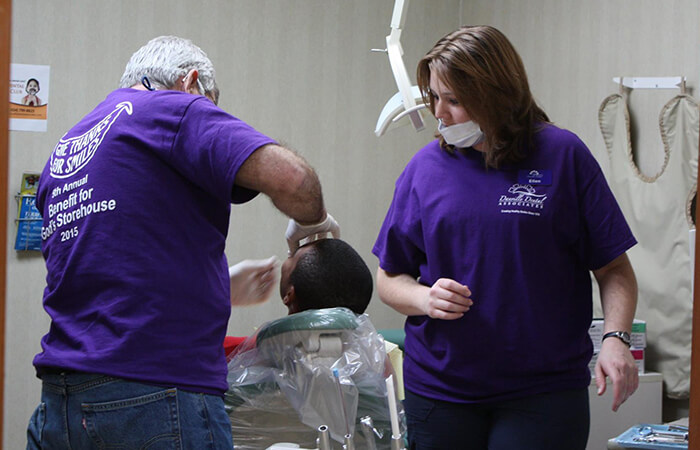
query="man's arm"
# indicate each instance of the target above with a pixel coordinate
(618, 296)
(287, 179)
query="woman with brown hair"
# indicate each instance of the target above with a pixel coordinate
(516, 211)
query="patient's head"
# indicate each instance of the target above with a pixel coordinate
(325, 274)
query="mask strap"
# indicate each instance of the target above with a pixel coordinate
(147, 84)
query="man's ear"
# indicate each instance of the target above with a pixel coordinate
(290, 300)
(189, 82)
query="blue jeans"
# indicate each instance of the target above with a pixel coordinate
(557, 420)
(91, 411)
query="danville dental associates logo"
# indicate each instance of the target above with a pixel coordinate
(522, 195)
(71, 155)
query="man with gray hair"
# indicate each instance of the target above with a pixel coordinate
(136, 201)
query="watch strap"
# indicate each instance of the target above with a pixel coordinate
(621, 335)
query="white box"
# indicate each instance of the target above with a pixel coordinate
(644, 406)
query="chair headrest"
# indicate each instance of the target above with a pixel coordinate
(311, 320)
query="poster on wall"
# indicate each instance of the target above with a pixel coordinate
(28, 220)
(29, 97)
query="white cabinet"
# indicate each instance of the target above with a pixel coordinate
(644, 406)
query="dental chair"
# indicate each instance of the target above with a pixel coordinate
(314, 368)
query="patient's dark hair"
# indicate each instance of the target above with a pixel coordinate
(332, 274)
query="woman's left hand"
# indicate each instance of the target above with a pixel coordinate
(615, 360)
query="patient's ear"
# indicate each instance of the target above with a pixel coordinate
(290, 300)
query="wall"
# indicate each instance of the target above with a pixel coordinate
(572, 50)
(298, 70)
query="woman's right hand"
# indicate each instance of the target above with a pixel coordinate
(448, 300)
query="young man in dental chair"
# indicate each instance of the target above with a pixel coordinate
(323, 364)
(325, 273)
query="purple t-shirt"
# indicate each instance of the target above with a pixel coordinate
(135, 202)
(523, 238)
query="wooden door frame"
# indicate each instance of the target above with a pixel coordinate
(694, 409)
(5, 35)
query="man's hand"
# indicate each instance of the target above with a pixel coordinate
(253, 281)
(615, 361)
(298, 234)
(448, 300)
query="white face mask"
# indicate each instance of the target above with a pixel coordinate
(461, 135)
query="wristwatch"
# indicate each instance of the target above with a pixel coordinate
(621, 335)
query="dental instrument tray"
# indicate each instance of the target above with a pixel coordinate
(650, 436)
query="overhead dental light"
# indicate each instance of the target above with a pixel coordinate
(404, 106)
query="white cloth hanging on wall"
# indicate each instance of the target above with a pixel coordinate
(658, 211)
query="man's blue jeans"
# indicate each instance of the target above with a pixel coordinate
(86, 411)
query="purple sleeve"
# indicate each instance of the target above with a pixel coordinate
(399, 245)
(211, 146)
(606, 234)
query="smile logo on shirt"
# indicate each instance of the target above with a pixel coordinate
(522, 199)
(71, 155)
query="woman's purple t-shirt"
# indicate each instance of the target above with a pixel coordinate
(135, 202)
(523, 238)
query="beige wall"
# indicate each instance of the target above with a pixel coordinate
(572, 49)
(301, 71)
